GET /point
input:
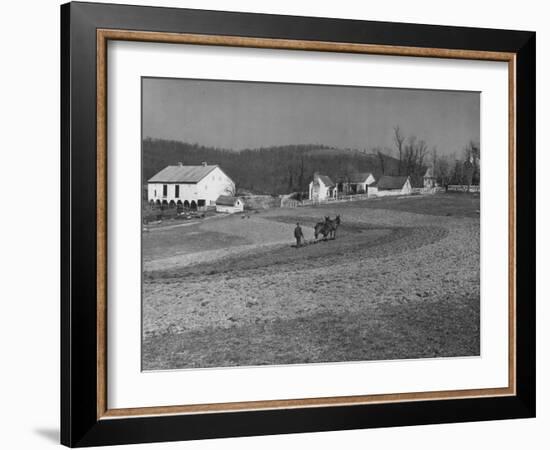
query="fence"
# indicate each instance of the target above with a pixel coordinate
(261, 202)
(427, 190)
(291, 203)
(462, 188)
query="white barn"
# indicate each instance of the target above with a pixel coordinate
(194, 187)
(229, 204)
(322, 187)
(387, 185)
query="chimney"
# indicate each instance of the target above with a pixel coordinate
(204, 163)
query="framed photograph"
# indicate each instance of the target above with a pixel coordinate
(276, 224)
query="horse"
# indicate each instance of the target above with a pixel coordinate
(322, 228)
(327, 228)
(333, 224)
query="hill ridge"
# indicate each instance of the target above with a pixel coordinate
(267, 170)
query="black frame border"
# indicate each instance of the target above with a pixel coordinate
(79, 423)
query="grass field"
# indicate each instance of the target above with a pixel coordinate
(400, 281)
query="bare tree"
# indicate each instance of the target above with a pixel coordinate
(290, 179)
(399, 139)
(420, 153)
(382, 160)
(442, 169)
(301, 174)
(408, 154)
(414, 153)
(458, 172)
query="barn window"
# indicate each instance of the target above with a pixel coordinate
(155, 193)
(164, 190)
(177, 195)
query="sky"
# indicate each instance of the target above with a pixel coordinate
(237, 115)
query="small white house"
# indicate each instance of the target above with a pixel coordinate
(229, 204)
(388, 185)
(322, 187)
(194, 187)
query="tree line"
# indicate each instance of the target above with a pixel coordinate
(290, 168)
(269, 170)
(414, 156)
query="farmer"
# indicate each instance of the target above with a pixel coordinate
(298, 235)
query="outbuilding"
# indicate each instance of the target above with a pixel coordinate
(390, 185)
(229, 204)
(356, 183)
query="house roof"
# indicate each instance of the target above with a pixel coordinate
(387, 182)
(429, 173)
(182, 174)
(326, 180)
(226, 200)
(360, 177)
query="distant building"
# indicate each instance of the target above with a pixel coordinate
(229, 204)
(193, 187)
(357, 183)
(372, 190)
(322, 187)
(429, 179)
(388, 185)
(468, 171)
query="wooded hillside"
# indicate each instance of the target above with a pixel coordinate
(272, 170)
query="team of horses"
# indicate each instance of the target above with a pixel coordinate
(327, 228)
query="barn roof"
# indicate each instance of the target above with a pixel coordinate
(326, 180)
(360, 177)
(388, 182)
(182, 174)
(226, 200)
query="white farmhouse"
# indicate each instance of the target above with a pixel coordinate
(322, 187)
(229, 204)
(192, 187)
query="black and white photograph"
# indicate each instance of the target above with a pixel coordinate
(275, 225)
(298, 223)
